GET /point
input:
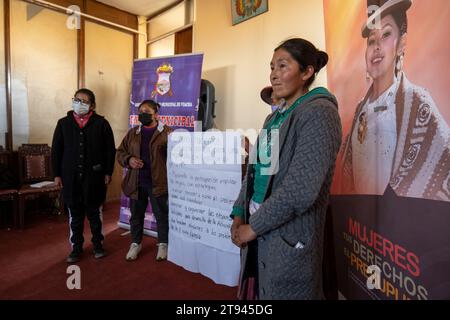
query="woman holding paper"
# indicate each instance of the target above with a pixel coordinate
(279, 216)
(143, 152)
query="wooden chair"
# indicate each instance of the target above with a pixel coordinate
(34, 167)
(8, 182)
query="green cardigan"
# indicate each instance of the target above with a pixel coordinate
(260, 184)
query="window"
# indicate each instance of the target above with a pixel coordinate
(163, 28)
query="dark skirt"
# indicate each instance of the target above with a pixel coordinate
(248, 287)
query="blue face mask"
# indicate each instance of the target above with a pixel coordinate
(79, 107)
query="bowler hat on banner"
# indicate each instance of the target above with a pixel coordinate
(385, 7)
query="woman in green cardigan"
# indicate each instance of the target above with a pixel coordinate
(279, 216)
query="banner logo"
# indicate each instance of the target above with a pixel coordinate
(162, 86)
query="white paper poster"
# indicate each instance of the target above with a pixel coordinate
(204, 178)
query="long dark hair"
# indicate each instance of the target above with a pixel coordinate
(401, 20)
(306, 54)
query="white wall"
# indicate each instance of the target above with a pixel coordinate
(162, 48)
(237, 58)
(44, 72)
(168, 21)
(108, 74)
(109, 62)
(142, 43)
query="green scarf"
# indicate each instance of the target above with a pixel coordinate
(261, 181)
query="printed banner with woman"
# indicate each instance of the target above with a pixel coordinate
(391, 192)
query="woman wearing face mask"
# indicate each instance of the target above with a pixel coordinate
(83, 153)
(279, 215)
(143, 152)
(398, 136)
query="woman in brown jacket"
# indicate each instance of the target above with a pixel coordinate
(143, 152)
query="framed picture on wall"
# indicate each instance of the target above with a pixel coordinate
(242, 10)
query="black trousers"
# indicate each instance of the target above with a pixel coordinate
(81, 209)
(160, 209)
(77, 213)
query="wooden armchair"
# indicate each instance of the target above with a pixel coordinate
(35, 167)
(8, 183)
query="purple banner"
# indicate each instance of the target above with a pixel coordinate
(173, 82)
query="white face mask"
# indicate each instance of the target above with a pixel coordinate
(80, 108)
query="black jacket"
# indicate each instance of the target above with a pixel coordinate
(82, 158)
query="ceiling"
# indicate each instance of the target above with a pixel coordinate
(139, 7)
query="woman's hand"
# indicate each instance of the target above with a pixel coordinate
(135, 163)
(245, 234)
(237, 221)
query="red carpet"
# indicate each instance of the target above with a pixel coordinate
(32, 264)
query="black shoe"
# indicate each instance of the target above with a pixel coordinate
(74, 256)
(99, 252)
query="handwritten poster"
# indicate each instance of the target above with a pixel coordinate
(204, 177)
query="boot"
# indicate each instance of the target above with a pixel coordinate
(75, 255)
(99, 252)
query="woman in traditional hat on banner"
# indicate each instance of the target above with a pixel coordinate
(398, 137)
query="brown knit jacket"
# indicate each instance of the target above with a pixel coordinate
(131, 147)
